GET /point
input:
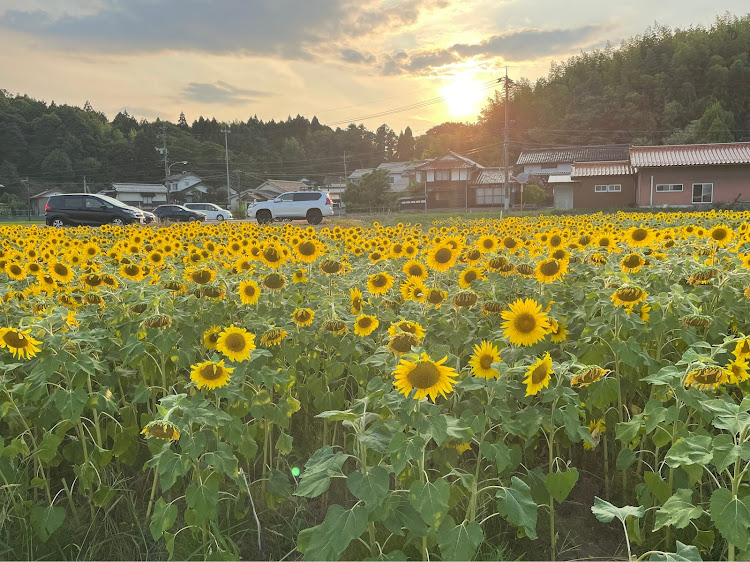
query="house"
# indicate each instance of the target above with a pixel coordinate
(398, 175)
(446, 180)
(543, 163)
(143, 195)
(185, 186)
(595, 185)
(38, 202)
(335, 186)
(487, 188)
(695, 174)
(356, 176)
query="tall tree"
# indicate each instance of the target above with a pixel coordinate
(405, 146)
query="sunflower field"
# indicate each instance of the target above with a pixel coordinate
(527, 388)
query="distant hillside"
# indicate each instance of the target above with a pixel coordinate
(665, 86)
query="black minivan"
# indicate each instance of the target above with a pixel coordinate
(89, 209)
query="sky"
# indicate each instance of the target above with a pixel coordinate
(341, 60)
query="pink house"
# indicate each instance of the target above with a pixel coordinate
(695, 174)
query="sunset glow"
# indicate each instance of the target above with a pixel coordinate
(463, 95)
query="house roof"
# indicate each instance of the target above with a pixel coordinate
(491, 176)
(139, 188)
(417, 163)
(400, 185)
(690, 155)
(359, 172)
(284, 185)
(334, 180)
(450, 161)
(570, 154)
(46, 193)
(561, 178)
(180, 175)
(394, 167)
(590, 169)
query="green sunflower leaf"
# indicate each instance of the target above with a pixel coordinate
(517, 507)
(677, 511)
(731, 515)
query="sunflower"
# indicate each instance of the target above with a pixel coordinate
(468, 276)
(273, 336)
(589, 375)
(721, 235)
(330, 267)
(365, 325)
(550, 270)
(486, 243)
(162, 429)
(485, 354)
(706, 378)
(274, 254)
(355, 296)
(274, 281)
(236, 343)
(596, 428)
(402, 343)
(201, 276)
(525, 323)
(628, 296)
(557, 332)
(299, 276)
(61, 272)
(210, 375)
(303, 316)
(335, 327)
(249, 292)
(414, 268)
(643, 312)
(639, 236)
(15, 271)
(742, 349)
(379, 283)
(307, 251)
(737, 371)
(538, 375)
(426, 377)
(413, 328)
(19, 343)
(435, 297)
(441, 257)
(632, 263)
(413, 289)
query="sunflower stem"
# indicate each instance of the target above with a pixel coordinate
(153, 494)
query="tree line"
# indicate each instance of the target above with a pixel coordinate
(663, 86)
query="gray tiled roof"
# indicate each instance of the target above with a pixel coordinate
(139, 188)
(570, 154)
(691, 154)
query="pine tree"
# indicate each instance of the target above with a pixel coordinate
(182, 121)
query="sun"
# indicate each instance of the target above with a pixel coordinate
(463, 95)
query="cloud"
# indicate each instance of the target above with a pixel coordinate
(285, 28)
(523, 44)
(357, 57)
(220, 92)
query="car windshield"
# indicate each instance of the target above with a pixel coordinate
(112, 201)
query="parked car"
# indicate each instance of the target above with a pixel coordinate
(213, 212)
(149, 217)
(310, 205)
(89, 209)
(178, 213)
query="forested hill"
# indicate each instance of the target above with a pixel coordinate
(664, 86)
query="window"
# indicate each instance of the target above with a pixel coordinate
(391, 179)
(489, 196)
(442, 175)
(309, 196)
(668, 187)
(607, 188)
(703, 192)
(147, 199)
(286, 197)
(73, 202)
(419, 177)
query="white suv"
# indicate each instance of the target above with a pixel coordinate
(212, 212)
(310, 205)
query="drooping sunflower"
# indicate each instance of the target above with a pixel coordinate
(249, 292)
(737, 371)
(379, 283)
(210, 375)
(589, 375)
(425, 377)
(414, 268)
(303, 316)
(557, 331)
(596, 428)
(273, 336)
(706, 378)
(742, 349)
(402, 343)
(20, 344)
(550, 270)
(632, 263)
(355, 296)
(538, 375)
(211, 336)
(441, 257)
(365, 324)
(407, 326)
(162, 429)
(274, 281)
(525, 323)
(469, 275)
(628, 296)
(485, 354)
(201, 276)
(236, 343)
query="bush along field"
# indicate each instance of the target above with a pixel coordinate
(536, 387)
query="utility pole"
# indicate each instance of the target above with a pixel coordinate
(166, 165)
(505, 146)
(345, 174)
(226, 156)
(85, 187)
(28, 196)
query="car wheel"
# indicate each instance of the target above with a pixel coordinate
(117, 221)
(57, 223)
(314, 216)
(263, 217)
(219, 218)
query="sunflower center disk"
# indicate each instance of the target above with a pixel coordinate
(60, 269)
(424, 375)
(307, 249)
(365, 323)
(549, 268)
(539, 374)
(632, 261)
(235, 342)
(14, 339)
(524, 323)
(485, 361)
(443, 255)
(639, 234)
